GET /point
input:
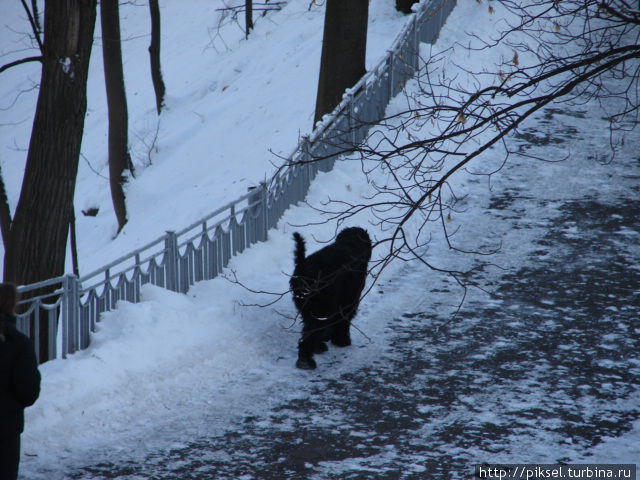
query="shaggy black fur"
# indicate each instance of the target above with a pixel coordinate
(326, 288)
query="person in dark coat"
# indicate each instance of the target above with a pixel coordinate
(19, 382)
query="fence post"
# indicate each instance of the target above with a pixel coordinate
(171, 262)
(264, 193)
(351, 112)
(308, 162)
(416, 42)
(390, 75)
(70, 317)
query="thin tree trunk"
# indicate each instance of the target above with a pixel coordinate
(344, 48)
(5, 212)
(36, 15)
(154, 53)
(119, 159)
(74, 243)
(38, 239)
(248, 17)
(34, 21)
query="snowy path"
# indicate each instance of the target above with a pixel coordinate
(541, 369)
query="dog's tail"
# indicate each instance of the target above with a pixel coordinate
(300, 252)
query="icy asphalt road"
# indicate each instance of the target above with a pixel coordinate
(539, 367)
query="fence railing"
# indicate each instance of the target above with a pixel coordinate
(66, 316)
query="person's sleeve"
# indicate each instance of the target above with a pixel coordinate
(27, 377)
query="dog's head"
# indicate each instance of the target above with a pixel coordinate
(356, 237)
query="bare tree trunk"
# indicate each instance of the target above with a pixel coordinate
(119, 159)
(36, 15)
(5, 213)
(74, 242)
(34, 21)
(38, 239)
(248, 17)
(343, 51)
(154, 53)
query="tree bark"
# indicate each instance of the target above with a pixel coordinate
(36, 15)
(248, 17)
(119, 159)
(154, 54)
(343, 51)
(5, 212)
(74, 243)
(38, 239)
(34, 21)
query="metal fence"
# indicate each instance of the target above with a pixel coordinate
(66, 317)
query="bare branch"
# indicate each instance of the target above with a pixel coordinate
(34, 24)
(20, 62)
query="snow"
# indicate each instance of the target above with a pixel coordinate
(162, 371)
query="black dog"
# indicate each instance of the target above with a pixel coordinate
(326, 289)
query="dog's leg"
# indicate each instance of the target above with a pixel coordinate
(307, 345)
(341, 335)
(320, 347)
(305, 356)
(324, 329)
